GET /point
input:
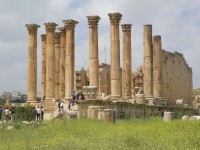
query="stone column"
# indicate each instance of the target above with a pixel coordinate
(148, 61)
(50, 61)
(126, 66)
(43, 80)
(69, 65)
(93, 50)
(32, 63)
(157, 66)
(57, 64)
(115, 54)
(62, 63)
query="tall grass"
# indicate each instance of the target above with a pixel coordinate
(140, 134)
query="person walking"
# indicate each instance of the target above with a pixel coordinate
(42, 113)
(38, 113)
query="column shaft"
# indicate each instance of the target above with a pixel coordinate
(148, 61)
(50, 60)
(126, 68)
(69, 65)
(57, 64)
(32, 63)
(115, 55)
(43, 80)
(62, 63)
(93, 50)
(157, 66)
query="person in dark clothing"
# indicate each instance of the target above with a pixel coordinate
(73, 97)
(59, 109)
(0, 112)
(34, 114)
(42, 113)
(69, 103)
(12, 113)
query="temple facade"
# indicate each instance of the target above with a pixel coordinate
(163, 75)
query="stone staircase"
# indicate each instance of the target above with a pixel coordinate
(72, 113)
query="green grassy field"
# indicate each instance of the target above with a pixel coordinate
(140, 134)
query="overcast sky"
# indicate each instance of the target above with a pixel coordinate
(177, 21)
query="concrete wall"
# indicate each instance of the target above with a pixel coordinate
(176, 78)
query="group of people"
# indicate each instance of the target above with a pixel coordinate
(37, 114)
(7, 113)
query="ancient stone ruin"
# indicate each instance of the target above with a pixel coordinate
(163, 77)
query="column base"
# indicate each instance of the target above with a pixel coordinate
(127, 97)
(115, 97)
(49, 104)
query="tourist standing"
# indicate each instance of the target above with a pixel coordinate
(34, 114)
(42, 113)
(6, 114)
(73, 97)
(12, 110)
(38, 113)
(69, 103)
(0, 112)
(62, 107)
(59, 106)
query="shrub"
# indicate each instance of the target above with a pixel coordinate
(23, 113)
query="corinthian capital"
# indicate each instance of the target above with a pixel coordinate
(57, 37)
(32, 28)
(43, 37)
(115, 17)
(50, 27)
(126, 27)
(70, 24)
(93, 21)
(62, 31)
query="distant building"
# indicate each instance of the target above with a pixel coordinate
(6, 94)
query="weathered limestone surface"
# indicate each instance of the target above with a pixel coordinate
(57, 64)
(104, 79)
(148, 61)
(157, 66)
(176, 78)
(93, 50)
(69, 65)
(62, 62)
(169, 116)
(32, 62)
(115, 54)
(90, 92)
(129, 110)
(81, 79)
(126, 62)
(43, 80)
(50, 60)
(93, 111)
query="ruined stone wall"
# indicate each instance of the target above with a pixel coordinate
(176, 78)
(126, 110)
